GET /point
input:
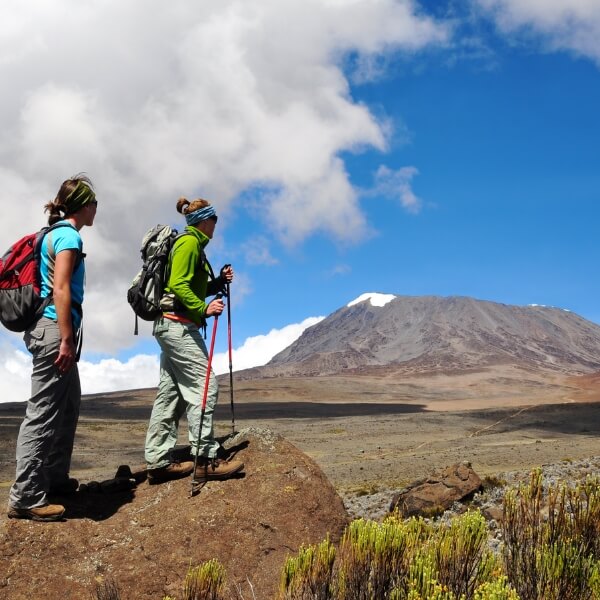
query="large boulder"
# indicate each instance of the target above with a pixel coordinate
(438, 492)
(146, 538)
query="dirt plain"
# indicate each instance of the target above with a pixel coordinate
(366, 432)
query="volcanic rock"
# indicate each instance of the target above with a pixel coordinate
(438, 492)
(146, 539)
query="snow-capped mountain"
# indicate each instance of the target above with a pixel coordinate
(431, 333)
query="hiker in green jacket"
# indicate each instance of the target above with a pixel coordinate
(184, 357)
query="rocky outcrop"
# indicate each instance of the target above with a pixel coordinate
(147, 538)
(437, 493)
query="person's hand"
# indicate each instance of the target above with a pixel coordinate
(66, 355)
(227, 273)
(215, 308)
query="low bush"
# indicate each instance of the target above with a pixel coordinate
(400, 560)
(308, 576)
(551, 550)
(205, 582)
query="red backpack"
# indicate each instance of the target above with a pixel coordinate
(20, 281)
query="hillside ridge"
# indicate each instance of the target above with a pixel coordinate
(428, 333)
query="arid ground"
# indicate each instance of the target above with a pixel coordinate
(366, 433)
(369, 434)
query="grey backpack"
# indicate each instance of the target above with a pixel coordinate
(147, 287)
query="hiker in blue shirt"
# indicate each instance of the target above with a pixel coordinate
(46, 436)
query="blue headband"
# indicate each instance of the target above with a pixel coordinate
(200, 215)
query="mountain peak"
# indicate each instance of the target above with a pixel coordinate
(375, 298)
(432, 333)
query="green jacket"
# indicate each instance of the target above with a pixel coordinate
(189, 275)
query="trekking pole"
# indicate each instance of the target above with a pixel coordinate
(230, 361)
(204, 396)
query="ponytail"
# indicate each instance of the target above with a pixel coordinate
(57, 212)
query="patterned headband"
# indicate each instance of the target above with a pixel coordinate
(202, 214)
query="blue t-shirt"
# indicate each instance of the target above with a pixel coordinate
(62, 238)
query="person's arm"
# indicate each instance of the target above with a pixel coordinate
(63, 271)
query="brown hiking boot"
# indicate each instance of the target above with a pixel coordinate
(175, 470)
(216, 468)
(49, 512)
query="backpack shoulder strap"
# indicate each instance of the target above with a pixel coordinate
(203, 259)
(46, 230)
(47, 237)
(211, 273)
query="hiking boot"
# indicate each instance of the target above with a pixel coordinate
(64, 488)
(49, 512)
(175, 470)
(216, 468)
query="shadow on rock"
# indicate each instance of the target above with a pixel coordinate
(227, 451)
(99, 500)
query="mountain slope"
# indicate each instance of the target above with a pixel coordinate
(440, 333)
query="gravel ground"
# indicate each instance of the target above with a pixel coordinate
(376, 506)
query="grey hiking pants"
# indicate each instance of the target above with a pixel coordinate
(183, 366)
(45, 442)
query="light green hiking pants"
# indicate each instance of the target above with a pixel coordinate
(183, 365)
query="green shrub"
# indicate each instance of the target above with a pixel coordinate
(374, 558)
(462, 558)
(400, 560)
(499, 589)
(205, 582)
(552, 556)
(309, 575)
(423, 583)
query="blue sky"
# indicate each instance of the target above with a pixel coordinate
(506, 148)
(433, 148)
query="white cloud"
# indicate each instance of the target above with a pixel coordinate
(260, 349)
(329, 204)
(339, 270)
(142, 371)
(154, 99)
(397, 185)
(15, 374)
(257, 252)
(106, 375)
(565, 24)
